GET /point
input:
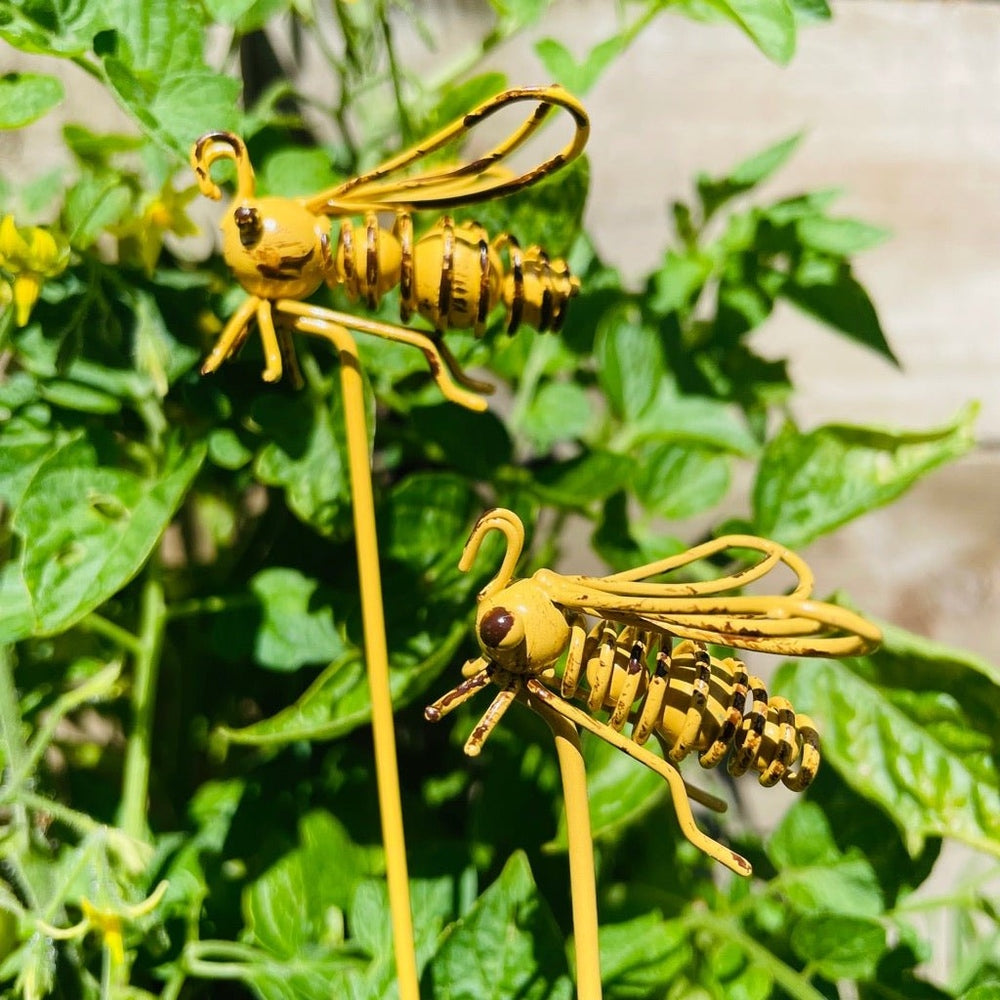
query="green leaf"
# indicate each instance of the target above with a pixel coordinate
(810, 11)
(445, 431)
(531, 965)
(227, 11)
(297, 625)
(578, 482)
(294, 171)
(677, 481)
(154, 64)
(157, 353)
(768, 23)
(288, 909)
(642, 957)
(839, 947)
(915, 729)
(305, 455)
(95, 202)
(809, 484)
(839, 237)
(630, 364)
(26, 97)
(190, 105)
(87, 529)
(74, 396)
(226, 449)
(689, 419)
(988, 991)
(578, 77)
(433, 902)
(714, 193)
(827, 290)
(52, 27)
(619, 791)
(678, 281)
(458, 99)
(559, 412)
(338, 701)
(521, 13)
(814, 875)
(857, 826)
(423, 516)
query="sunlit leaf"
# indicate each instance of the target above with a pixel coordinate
(531, 965)
(913, 728)
(839, 947)
(87, 529)
(26, 97)
(809, 484)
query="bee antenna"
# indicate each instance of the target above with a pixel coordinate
(507, 522)
(215, 146)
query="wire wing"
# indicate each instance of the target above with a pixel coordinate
(791, 624)
(389, 187)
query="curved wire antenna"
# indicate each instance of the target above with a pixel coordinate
(510, 526)
(215, 146)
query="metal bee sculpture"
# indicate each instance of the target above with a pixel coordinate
(689, 700)
(281, 250)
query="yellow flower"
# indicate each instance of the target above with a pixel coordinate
(140, 239)
(29, 256)
(107, 921)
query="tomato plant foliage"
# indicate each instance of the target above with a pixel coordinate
(182, 694)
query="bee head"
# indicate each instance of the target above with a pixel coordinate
(520, 629)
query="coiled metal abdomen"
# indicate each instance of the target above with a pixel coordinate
(453, 275)
(693, 702)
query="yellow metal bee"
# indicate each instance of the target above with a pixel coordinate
(687, 699)
(281, 249)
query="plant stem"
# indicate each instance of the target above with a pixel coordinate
(10, 714)
(75, 820)
(210, 605)
(405, 125)
(135, 788)
(790, 980)
(100, 625)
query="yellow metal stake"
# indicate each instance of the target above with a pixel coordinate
(583, 883)
(281, 250)
(376, 653)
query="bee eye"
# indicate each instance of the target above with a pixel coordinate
(499, 629)
(249, 223)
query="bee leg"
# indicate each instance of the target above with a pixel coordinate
(269, 340)
(289, 359)
(322, 323)
(800, 779)
(437, 710)
(733, 861)
(232, 337)
(455, 369)
(575, 657)
(706, 799)
(492, 715)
